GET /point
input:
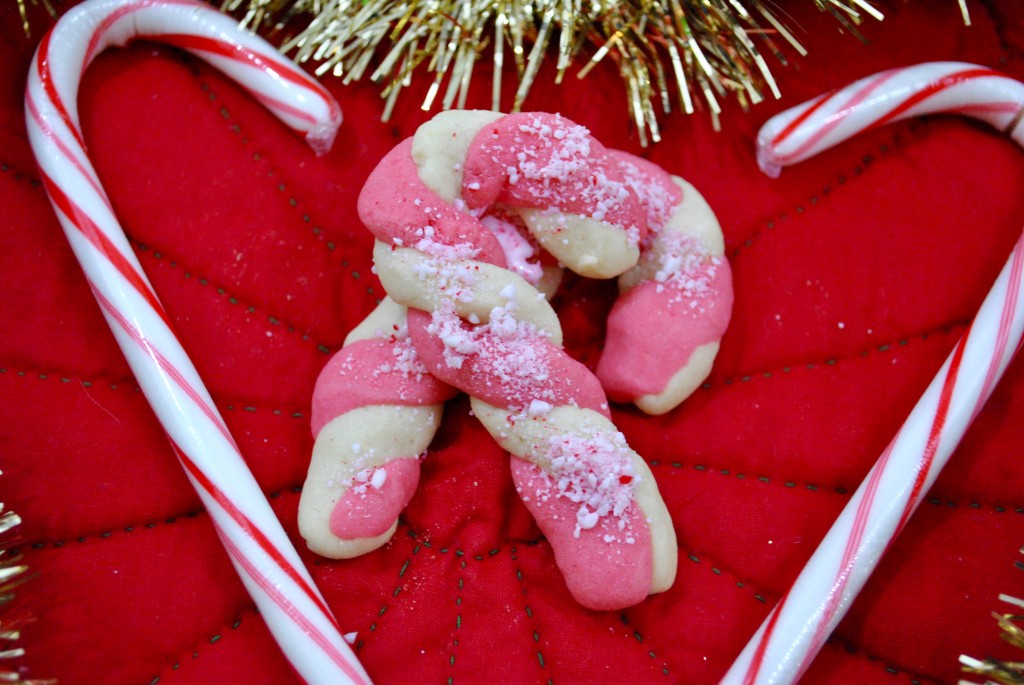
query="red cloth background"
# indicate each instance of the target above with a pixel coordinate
(855, 273)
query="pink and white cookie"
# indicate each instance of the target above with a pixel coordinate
(375, 411)
(674, 305)
(474, 218)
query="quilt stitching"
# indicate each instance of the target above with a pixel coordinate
(640, 639)
(226, 294)
(790, 483)
(718, 385)
(19, 175)
(837, 641)
(528, 611)
(202, 644)
(771, 226)
(273, 171)
(374, 625)
(906, 341)
(721, 571)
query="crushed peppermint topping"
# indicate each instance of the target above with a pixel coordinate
(451, 265)
(458, 342)
(407, 361)
(368, 475)
(361, 457)
(556, 158)
(506, 344)
(519, 252)
(596, 472)
(658, 199)
(682, 265)
(372, 477)
(538, 407)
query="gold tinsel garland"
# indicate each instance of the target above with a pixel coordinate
(26, 24)
(688, 54)
(12, 574)
(1011, 627)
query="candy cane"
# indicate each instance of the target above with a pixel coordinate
(258, 547)
(793, 633)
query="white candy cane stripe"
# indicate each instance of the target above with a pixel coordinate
(789, 639)
(259, 548)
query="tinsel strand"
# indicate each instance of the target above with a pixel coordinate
(686, 53)
(26, 24)
(690, 54)
(12, 574)
(1011, 629)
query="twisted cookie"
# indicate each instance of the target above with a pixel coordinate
(465, 215)
(375, 410)
(674, 305)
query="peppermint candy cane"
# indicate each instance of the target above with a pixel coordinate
(450, 209)
(258, 547)
(787, 642)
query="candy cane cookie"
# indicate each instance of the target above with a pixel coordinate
(675, 304)
(461, 213)
(375, 410)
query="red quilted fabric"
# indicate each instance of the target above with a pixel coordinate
(855, 273)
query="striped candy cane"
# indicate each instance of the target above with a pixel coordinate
(258, 547)
(791, 636)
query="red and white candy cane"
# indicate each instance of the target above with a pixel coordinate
(469, 215)
(795, 630)
(260, 550)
